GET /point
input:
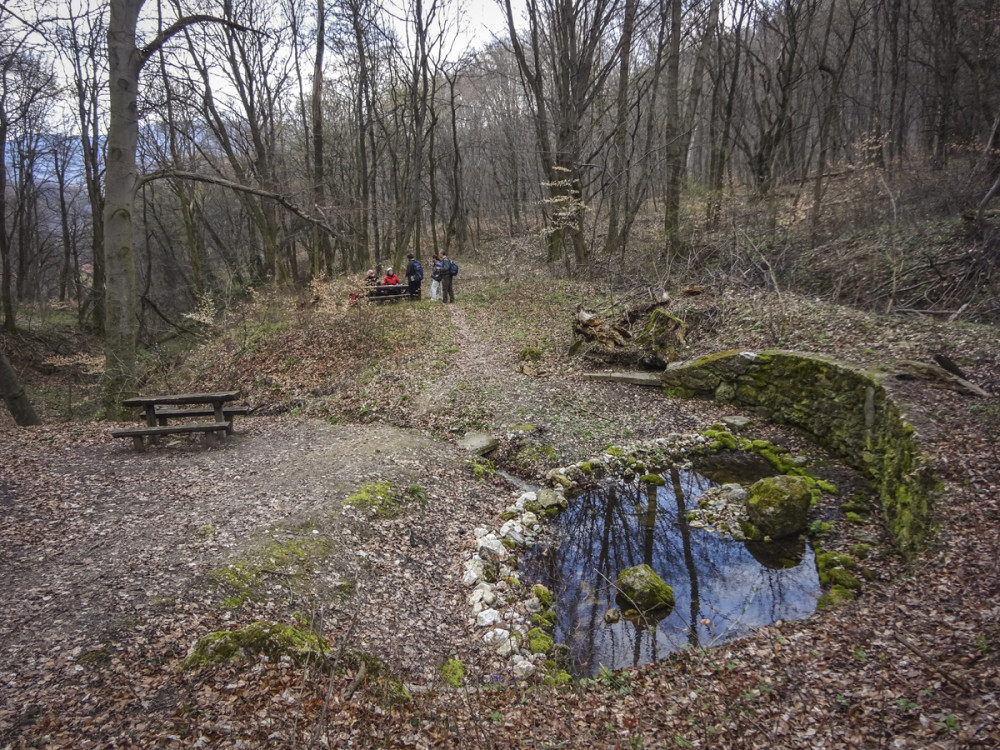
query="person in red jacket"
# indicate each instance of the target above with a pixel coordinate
(390, 277)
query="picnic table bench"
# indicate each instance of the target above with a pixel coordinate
(159, 410)
(386, 293)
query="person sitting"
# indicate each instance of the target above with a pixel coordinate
(371, 279)
(390, 278)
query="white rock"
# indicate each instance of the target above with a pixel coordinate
(490, 548)
(527, 497)
(496, 636)
(487, 617)
(533, 605)
(523, 669)
(480, 531)
(470, 578)
(529, 520)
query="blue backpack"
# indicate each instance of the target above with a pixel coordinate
(418, 271)
(454, 268)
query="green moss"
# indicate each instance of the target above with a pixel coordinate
(653, 479)
(377, 496)
(720, 438)
(542, 594)
(247, 578)
(586, 468)
(841, 577)
(206, 532)
(614, 450)
(545, 620)
(482, 468)
(854, 517)
(827, 487)
(838, 595)
(555, 675)
(452, 672)
(508, 515)
(827, 560)
(853, 508)
(539, 642)
(271, 639)
(860, 551)
(534, 507)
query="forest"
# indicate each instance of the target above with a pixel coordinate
(288, 142)
(192, 194)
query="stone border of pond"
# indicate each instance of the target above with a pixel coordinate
(517, 622)
(843, 407)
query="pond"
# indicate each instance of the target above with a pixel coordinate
(722, 588)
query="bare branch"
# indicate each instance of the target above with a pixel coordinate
(182, 23)
(222, 182)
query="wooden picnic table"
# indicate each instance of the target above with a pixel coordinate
(159, 410)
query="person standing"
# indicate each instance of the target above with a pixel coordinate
(447, 279)
(414, 275)
(436, 279)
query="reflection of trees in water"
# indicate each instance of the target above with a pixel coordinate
(620, 525)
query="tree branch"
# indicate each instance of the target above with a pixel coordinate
(182, 23)
(222, 182)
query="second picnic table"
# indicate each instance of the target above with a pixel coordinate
(159, 410)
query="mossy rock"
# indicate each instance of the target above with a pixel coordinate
(641, 588)
(271, 639)
(539, 642)
(545, 620)
(452, 672)
(779, 506)
(654, 480)
(542, 594)
(841, 577)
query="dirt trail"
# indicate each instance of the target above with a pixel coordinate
(473, 358)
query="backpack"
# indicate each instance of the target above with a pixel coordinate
(418, 271)
(454, 268)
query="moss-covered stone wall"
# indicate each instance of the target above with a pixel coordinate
(844, 408)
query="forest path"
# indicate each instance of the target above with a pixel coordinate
(475, 359)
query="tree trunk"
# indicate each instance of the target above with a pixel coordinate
(121, 319)
(14, 396)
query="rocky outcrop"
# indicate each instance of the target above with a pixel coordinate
(844, 408)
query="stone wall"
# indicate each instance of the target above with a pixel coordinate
(844, 408)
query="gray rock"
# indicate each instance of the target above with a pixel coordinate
(736, 422)
(478, 443)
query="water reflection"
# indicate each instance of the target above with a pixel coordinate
(722, 588)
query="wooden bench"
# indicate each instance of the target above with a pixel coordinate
(157, 411)
(138, 433)
(163, 415)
